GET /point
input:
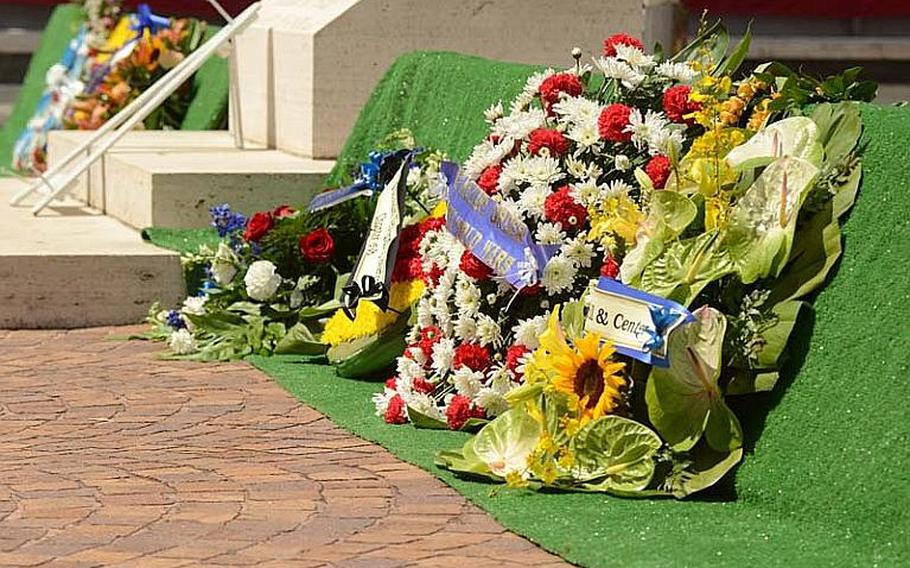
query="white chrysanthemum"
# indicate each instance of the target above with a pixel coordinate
(633, 56)
(224, 266)
(467, 382)
(622, 162)
(381, 400)
(532, 200)
(613, 68)
(493, 113)
(579, 252)
(585, 134)
(558, 275)
(518, 125)
(261, 280)
(409, 369)
(512, 207)
(484, 155)
(654, 131)
(667, 141)
(532, 84)
(467, 297)
(617, 187)
(424, 404)
(681, 72)
(588, 193)
(181, 342)
(542, 170)
(466, 328)
(442, 355)
(488, 331)
(491, 401)
(424, 315)
(194, 305)
(527, 332)
(550, 234)
(577, 109)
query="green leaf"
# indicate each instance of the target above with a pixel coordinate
(686, 267)
(839, 129)
(249, 308)
(707, 468)
(301, 340)
(572, 317)
(681, 398)
(615, 453)
(504, 444)
(762, 223)
(670, 214)
(737, 56)
(796, 136)
(421, 420)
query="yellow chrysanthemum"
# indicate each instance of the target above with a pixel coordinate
(585, 371)
(369, 319)
(618, 216)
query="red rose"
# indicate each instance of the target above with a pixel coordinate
(283, 211)
(473, 356)
(474, 267)
(257, 226)
(620, 39)
(552, 140)
(395, 412)
(610, 268)
(658, 169)
(458, 412)
(513, 357)
(421, 385)
(317, 246)
(677, 104)
(489, 179)
(560, 207)
(613, 121)
(554, 85)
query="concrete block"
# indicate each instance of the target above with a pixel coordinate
(253, 54)
(74, 267)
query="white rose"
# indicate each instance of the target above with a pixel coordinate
(181, 342)
(224, 266)
(261, 280)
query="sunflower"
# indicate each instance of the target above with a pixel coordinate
(584, 371)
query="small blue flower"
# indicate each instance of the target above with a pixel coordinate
(175, 320)
(226, 221)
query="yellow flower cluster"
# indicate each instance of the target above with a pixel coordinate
(618, 217)
(370, 319)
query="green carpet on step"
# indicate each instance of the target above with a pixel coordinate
(209, 106)
(61, 28)
(826, 481)
(181, 240)
(439, 96)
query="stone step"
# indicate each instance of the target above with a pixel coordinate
(8, 94)
(838, 48)
(74, 267)
(172, 178)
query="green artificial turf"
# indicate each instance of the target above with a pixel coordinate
(439, 96)
(209, 106)
(825, 481)
(181, 240)
(61, 28)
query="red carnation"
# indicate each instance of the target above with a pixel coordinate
(429, 336)
(257, 226)
(395, 411)
(474, 267)
(513, 356)
(677, 104)
(531, 290)
(473, 356)
(432, 224)
(554, 85)
(432, 276)
(489, 179)
(548, 138)
(560, 207)
(658, 169)
(620, 39)
(407, 269)
(610, 268)
(613, 121)
(283, 211)
(317, 246)
(478, 412)
(421, 385)
(458, 412)
(391, 383)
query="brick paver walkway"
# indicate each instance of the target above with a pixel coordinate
(110, 457)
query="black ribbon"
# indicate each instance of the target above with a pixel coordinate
(367, 289)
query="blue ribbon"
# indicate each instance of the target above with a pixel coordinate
(146, 20)
(492, 233)
(369, 180)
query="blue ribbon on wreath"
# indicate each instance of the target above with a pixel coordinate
(369, 180)
(147, 20)
(662, 317)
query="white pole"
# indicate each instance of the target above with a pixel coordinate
(132, 114)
